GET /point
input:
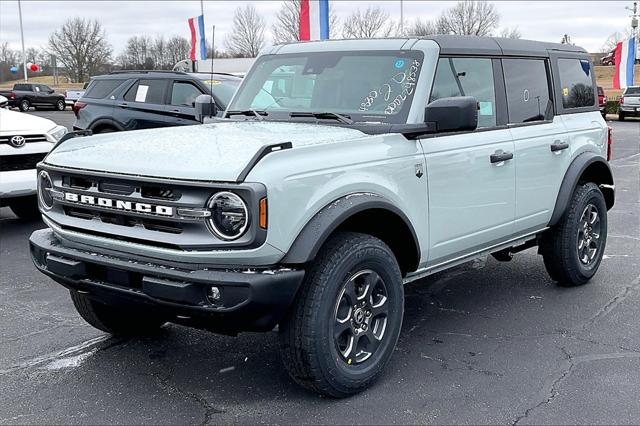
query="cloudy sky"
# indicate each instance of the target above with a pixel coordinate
(589, 23)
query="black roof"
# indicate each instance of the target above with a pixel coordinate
(160, 73)
(457, 45)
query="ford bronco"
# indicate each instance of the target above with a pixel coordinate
(340, 171)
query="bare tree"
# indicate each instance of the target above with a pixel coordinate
(287, 26)
(247, 35)
(468, 17)
(373, 22)
(8, 58)
(178, 48)
(507, 32)
(139, 53)
(422, 28)
(81, 46)
(613, 40)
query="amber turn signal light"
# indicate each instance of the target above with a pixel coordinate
(263, 213)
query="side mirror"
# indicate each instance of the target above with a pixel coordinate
(205, 107)
(455, 114)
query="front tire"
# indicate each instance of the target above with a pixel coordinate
(573, 249)
(25, 207)
(60, 105)
(24, 105)
(116, 321)
(345, 323)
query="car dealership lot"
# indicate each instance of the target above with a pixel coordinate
(485, 343)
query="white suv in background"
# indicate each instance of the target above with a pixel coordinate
(24, 141)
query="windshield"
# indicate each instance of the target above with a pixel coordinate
(364, 86)
(223, 89)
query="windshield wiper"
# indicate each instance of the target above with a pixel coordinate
(327, 115)
(248, 112)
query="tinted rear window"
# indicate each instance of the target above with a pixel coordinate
(22, 87)
(576, 80)
(632, 91)
(527, 89)
(99, 89)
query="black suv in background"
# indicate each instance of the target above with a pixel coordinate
(131, 100)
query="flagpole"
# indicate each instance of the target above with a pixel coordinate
(24, 56)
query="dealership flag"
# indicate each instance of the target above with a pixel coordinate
(198, 46)
(314, 19)
(624, 56)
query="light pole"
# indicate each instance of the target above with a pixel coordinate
(401, 18)
(24, 55)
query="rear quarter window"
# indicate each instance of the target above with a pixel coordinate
(576, 82)
(99, 89)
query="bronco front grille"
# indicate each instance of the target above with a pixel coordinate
(156, 212)
(11, 163)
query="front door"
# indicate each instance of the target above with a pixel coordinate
(471, 175)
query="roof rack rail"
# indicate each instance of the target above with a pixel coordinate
(147, 72)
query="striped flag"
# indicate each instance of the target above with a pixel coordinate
(198, 45)
(314, 19)
(624, 57)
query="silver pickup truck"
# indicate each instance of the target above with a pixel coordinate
(341, 171)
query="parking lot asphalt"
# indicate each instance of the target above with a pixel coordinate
(488, 342)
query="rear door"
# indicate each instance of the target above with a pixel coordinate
(182, 101)
(542, 150)
(471, 195)
(143, 105)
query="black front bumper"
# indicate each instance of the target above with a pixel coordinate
(251, 299)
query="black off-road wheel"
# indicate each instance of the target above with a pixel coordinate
(345, 322)
(114, 320)
(61, 105)
(573, 249)
(24, 105)
(25, 207)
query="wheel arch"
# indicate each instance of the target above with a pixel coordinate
(586, 167)
(101, 123)
(359, 212)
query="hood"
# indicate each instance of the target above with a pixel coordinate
(211, 152)
(19, 122)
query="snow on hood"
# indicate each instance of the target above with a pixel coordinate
(18, 122)
(212, 152)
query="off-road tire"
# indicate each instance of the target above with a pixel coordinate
(116, 321)
(25, 207)
(559, 245)
(60, 105)
(24, 105)
(307, 342)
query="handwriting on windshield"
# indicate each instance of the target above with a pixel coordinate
(401, 84)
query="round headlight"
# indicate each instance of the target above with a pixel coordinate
(44, 190)
(229, 216)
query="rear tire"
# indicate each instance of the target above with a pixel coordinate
(25, 207)
(345, 322)
(116, 321)
(24, 105)
(573, 249)
(60, 105)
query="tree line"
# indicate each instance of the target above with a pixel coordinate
(82, 48)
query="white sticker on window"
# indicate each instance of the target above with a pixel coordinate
(141, 94)
(486, 108)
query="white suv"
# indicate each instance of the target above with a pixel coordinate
(24, 141)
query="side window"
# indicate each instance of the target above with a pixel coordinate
(99, 89)
(184, 94)
(527, 85)
(147, 91)
(576, 81)
(467, 77)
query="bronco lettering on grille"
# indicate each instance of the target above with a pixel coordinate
(118, 204)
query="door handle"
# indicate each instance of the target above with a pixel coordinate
(559, 146)
(500, 156)
(123, 105)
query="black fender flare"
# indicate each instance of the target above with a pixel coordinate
(103, 121)
(316, 232)
(571, 178)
